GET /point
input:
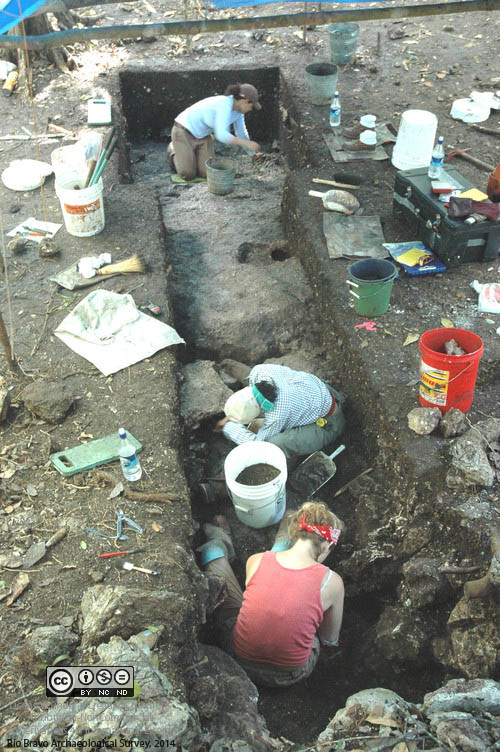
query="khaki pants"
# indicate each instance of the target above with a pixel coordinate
(190, 153)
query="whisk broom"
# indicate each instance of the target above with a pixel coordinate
(132, 264)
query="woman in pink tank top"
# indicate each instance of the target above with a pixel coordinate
(292, 602)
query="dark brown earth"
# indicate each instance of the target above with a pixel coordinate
(256, 475)
(425, 63)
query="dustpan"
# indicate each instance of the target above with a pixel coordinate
(340, 201)
(314, 472)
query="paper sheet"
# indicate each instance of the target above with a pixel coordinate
(47, 229)
(108, 330)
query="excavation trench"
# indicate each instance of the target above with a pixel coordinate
(238, 290)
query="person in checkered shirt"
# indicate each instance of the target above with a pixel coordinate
(294, 410)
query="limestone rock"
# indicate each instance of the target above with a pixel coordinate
(4, 403)
(453, 423)
(157, 715)
(48, 400)
(463, 695)
(423, 582)
(461, 733)
(203, 393)
(470, 462)
(377, 700)
(124, 611)
(423, 420)
(44, 645)
(401, 634)
(236, 370)
(474, 634)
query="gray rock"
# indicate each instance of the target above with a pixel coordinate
(4, 403)
(44, 645)
(238, 371)
(154, 716)
(470, 462)
(402, 634)
(48, 400)
(376, 700)
(423, 420)
(453, 423)
(125, 611)
(464, 734)
(463, 695)
(203, 393)
(423, 582)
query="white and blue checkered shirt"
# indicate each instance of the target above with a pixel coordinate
(301, 399)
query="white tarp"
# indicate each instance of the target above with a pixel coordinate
(108, 330)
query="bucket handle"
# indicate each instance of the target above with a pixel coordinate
(461, 372)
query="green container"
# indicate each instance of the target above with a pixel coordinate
(220, 175)
(371, 285)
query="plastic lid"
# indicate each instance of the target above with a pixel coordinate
(25, 174)
(122, 433)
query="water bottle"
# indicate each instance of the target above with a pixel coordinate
(129, 460)
(335, 111)
(436, 165)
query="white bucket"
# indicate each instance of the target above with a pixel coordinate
(257, 506)
(82, 208)
(68, 159)
(415, 141)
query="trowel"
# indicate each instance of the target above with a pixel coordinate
(314, 472)
(38, 550)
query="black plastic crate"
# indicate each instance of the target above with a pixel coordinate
(426, 217)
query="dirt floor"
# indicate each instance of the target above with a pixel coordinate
(399, 65)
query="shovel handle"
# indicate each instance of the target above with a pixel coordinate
(335, 184)
(337, 451)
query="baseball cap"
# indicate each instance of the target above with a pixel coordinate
(250, 92)
(242, 406)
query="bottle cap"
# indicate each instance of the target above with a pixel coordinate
(122, 432)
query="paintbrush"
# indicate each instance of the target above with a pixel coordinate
(133, 264)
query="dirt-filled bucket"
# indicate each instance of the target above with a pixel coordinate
(448, 380)
(343, 41)
(82, 208)
(220, 175)
(257, 505)
(371, 285)
(321, 79)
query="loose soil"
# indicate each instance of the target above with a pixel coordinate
(257, 475)
(424, 63)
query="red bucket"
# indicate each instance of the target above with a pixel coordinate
(448, 380)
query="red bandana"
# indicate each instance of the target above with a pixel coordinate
(329, 533)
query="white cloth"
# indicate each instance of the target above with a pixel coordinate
(213, 115)
(108, 330)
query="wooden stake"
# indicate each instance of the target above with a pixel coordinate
(341, 490)
(4, 339)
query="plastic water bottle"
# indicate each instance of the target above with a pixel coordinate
(436, 165)
(335, 111)
(129, 460)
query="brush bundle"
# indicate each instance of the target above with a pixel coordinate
(127, 266)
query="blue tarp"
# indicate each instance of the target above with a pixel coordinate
(240, 3)
(14, 11)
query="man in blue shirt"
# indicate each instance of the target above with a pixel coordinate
(296, 411)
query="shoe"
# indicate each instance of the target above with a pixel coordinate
(177, 179)
(354, 132)
(358, 146)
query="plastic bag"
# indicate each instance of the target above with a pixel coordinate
(489, 296)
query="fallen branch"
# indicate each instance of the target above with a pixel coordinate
(343, 488)
(489, 131)
(458, 570)
(31, 138)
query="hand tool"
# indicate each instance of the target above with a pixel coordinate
(340, 201)
(38, 550)
(129, 567)
(315, 471)
(121, 553)
(120, 519)
(469, 158)
(335, 184)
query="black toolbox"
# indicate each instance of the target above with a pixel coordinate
(453, 240)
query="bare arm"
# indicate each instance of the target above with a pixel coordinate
(332, 600)
(252, 565)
